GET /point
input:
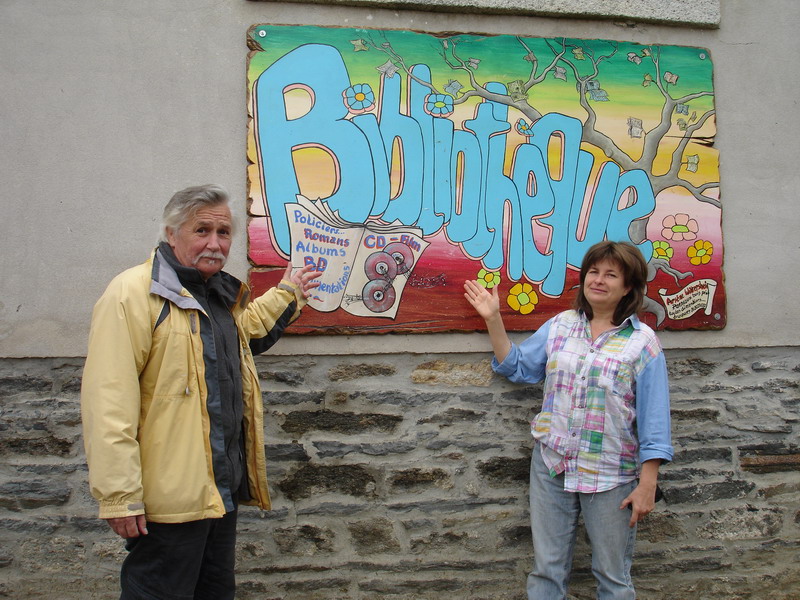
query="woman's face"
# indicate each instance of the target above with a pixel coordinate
(604, 286)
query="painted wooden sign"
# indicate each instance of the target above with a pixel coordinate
(402, 163)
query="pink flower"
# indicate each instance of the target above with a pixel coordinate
(679, 227)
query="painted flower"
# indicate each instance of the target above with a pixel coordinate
(439, 105)
(488, 279)
(359, 98)
(522, 298)
(663, 250)
(700, 252)
(679, 227)
(523, 128)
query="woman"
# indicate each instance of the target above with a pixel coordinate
(604, 428)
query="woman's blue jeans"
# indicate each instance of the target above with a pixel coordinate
(554, 522)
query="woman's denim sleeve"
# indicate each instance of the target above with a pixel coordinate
(652, 411)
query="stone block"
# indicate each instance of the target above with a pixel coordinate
(481, 399)
(52, 555)
(741, 523)
(695, 415)
(71, 386)
(446, 542)
(395, 398)
(445, 372)
(451, 505)
(453, 416)
(685, 567)
(690, 367)
(692, 474)
(524, 395)
(417, 524)
(45, 526)
(770, 464)
(659, 527)
(39, 428)
(504, 470)
(247, 589)
(515, 536)
(694, 455)
(289, 371)
(348, 372)
(758, 416)
(411, 589)
(314, 589)
(290, 377)
(292, 398)
(33, 493)
(301, 422)
(469, 443)
(373, 536)
(24, 384)
(761, 365)
(338, 449)
(304, 540)
(734, 371)
(407, 479)
(331, 509)
(779, 490)
(769, 457)
(50, 470)
(703, 493)
(92, 525)
(286, 452)
(310, 480)
(767, 448)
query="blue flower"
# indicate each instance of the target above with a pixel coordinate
(359, 98)
(439, 105)
(523, 128)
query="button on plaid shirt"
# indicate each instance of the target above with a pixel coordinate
(606, 402)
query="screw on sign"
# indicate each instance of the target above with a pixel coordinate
(381, 268)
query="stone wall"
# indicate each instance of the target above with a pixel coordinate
(405, 477)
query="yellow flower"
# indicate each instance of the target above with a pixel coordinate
(488, 279)
(700, 252)
(662, 250)
(522, 298)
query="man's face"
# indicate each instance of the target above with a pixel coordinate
(204, 240)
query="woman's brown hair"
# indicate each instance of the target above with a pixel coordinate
(634, 272)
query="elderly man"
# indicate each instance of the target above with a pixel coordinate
(171, 405)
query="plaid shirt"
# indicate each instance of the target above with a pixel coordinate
(606, 402)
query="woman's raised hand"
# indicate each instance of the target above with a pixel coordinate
(486, 304)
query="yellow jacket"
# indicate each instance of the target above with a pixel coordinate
(143, 397)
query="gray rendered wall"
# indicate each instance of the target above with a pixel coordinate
(108, 108)
(398, 464)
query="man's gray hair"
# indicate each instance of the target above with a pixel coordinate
(184, 204)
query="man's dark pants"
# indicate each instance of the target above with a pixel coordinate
(182, 561)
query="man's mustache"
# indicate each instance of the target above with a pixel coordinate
(212, 255)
